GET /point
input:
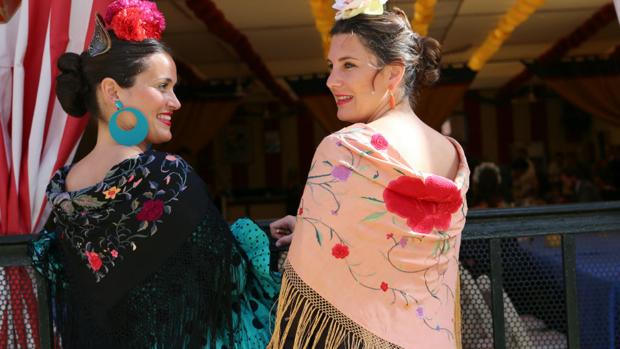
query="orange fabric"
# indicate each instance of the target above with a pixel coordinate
(598, 95)
(379, 240)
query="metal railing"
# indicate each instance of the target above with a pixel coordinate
(14, 253)
(489, 228)
(493, 225)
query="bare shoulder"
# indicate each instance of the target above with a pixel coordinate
(420, 146)
(445, 154)
(82, 174)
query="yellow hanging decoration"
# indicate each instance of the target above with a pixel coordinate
(323, 20)
(517, 14)
(424, 10)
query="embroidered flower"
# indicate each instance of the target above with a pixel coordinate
(341, 172)
(384, 286)
(419, 312)
(426, 205)
(131, 178)
(351, 8)
(111, 193)
(389, 236)
(379, 142)
(403, 242)
(94, 260)
(114, 253)
(151, 210)
(137, 183)
(340, 251)
(171, 157)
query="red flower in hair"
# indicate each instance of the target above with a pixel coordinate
(426, 205)
(135, 20)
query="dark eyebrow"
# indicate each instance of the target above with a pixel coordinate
(344, 59)
(165, 80)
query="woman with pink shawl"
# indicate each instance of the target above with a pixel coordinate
(373, 261)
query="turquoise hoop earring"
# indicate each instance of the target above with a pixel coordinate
(129, 137)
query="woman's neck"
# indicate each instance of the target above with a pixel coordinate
(105, 143)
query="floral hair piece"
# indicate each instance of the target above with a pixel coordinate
(351, 8)
(131, 20)
(135, 20)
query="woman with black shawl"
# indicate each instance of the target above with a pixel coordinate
(136, 253)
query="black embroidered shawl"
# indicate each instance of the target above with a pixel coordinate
(145, 258)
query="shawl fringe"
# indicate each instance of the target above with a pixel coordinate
(314, 322)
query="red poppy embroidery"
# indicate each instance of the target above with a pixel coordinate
(426, 205)
(384, 286)
(340, 251)
(389, 236)
(114, 253)
(151, 210)
(94, 260)
(379, 142)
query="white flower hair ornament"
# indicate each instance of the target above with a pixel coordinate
(351, 8)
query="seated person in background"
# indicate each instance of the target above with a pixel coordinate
(487, 186)
(579, 187)
(524, 182)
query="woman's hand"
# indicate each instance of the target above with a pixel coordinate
(282, 230)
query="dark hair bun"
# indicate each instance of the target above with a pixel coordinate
(428, 73)
(71, 88)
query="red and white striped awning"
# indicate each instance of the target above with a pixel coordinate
(36, 135)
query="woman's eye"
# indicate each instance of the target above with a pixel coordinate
(349, 65)
(163, 86)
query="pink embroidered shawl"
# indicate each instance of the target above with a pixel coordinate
(374, 259)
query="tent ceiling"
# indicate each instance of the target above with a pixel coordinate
(283, 34)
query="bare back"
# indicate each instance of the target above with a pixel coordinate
(419, 145)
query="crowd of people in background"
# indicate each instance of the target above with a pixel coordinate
(563, 179)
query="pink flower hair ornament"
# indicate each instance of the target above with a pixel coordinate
(135, 20)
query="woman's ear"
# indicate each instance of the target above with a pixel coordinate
(109, 90)
(395, 75)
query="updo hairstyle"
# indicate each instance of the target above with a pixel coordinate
(390, 38)
(80, 75)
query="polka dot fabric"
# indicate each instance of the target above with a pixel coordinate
(257, 287)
